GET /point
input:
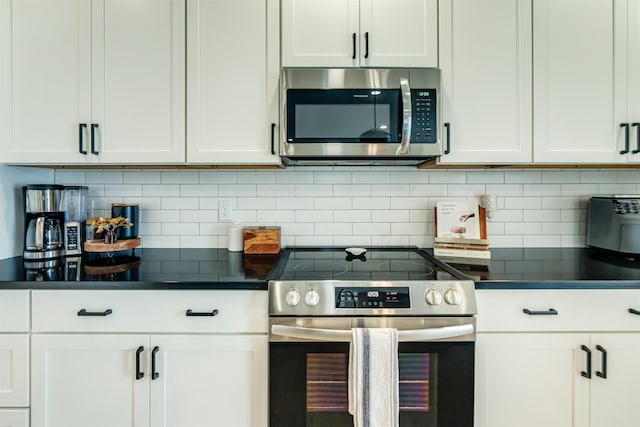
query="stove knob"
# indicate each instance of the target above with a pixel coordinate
(452, 297)
(433, 297)
(292, 297)
(312, 297)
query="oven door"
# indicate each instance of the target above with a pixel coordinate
(308, 377)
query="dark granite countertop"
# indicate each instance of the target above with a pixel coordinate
(556, 268)
(143, 269)
(509, 268)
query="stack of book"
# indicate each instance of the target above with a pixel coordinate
(461, 235)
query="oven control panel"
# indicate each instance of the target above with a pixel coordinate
(361, 298)
(372, 297)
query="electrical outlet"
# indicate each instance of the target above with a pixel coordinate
(225, 211)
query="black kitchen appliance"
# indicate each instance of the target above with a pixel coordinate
(43, 221)
(321, 293)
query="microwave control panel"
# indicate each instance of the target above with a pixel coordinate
(423, 107)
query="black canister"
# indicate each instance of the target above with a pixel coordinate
(129, 211)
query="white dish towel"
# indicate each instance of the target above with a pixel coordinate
(373, 377)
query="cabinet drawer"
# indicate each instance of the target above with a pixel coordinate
(577, 310)
(150, 311)
(14, 310)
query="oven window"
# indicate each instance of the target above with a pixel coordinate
(308, 384)
(327, 379)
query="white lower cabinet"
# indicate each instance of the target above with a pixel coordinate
(14, 418)
(193, 367)
(14, 358)
(571, 362)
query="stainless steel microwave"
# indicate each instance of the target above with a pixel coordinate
(360, 116)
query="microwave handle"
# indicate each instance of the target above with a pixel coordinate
(332, 335)
(405, 140)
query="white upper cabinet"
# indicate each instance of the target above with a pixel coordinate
(233, 73)
(485, 57)
(365, 33)
(627, 78)
(574, 72)
(98, 81)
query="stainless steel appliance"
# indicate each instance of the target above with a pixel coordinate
(76, 213)
(43, 219)
(360, 116)
(320, 294)
(613, 223)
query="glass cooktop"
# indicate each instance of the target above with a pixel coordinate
(377, 263)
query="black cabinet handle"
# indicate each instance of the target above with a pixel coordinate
(80, 136)
(626, 137)
(634, 311)
(366, 45)
(191, 313)
(447, 127)
(637, 126)
(603, 373)
(154, 373)
(550, 312)
(139, 373)
(84, 312)
(93, 139)
(353, 37)
(587, 373)
(273, 138)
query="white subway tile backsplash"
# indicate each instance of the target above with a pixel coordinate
(371, 203)
(523, 177)
(547, 215)
(371, 177)
(179, 177)
(333, 229)
(142, 177)
(369, 229)
(103, 177)
(180, 203)
(351, 205)
(160, 190)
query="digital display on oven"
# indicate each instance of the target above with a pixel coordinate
(372, 298)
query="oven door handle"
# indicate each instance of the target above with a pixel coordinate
(405, 139)
(332, 335)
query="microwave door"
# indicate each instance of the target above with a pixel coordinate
(405, 140)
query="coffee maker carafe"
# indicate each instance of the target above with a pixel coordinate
(43, 219)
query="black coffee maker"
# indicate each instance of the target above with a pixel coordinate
(43, 222)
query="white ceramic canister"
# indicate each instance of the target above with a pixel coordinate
(235, 237)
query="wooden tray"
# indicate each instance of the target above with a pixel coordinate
(120, 245)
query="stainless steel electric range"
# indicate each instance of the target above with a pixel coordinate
(321, 293)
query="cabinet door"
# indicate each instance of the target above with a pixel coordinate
(399, 34)
(573, 75)
(531, 380)
(233, 76)
(45, 80)
(88, 380)
(485, 57)
(320, 33)
(210, 381)
(138, 81)
(14, 370)
(614, 398)
(627, 83)
(14, 417)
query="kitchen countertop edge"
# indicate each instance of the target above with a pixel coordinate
(134, 285)
(558, 284)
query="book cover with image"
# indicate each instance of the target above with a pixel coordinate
(458, 219)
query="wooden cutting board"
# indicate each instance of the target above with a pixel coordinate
(262, 240)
